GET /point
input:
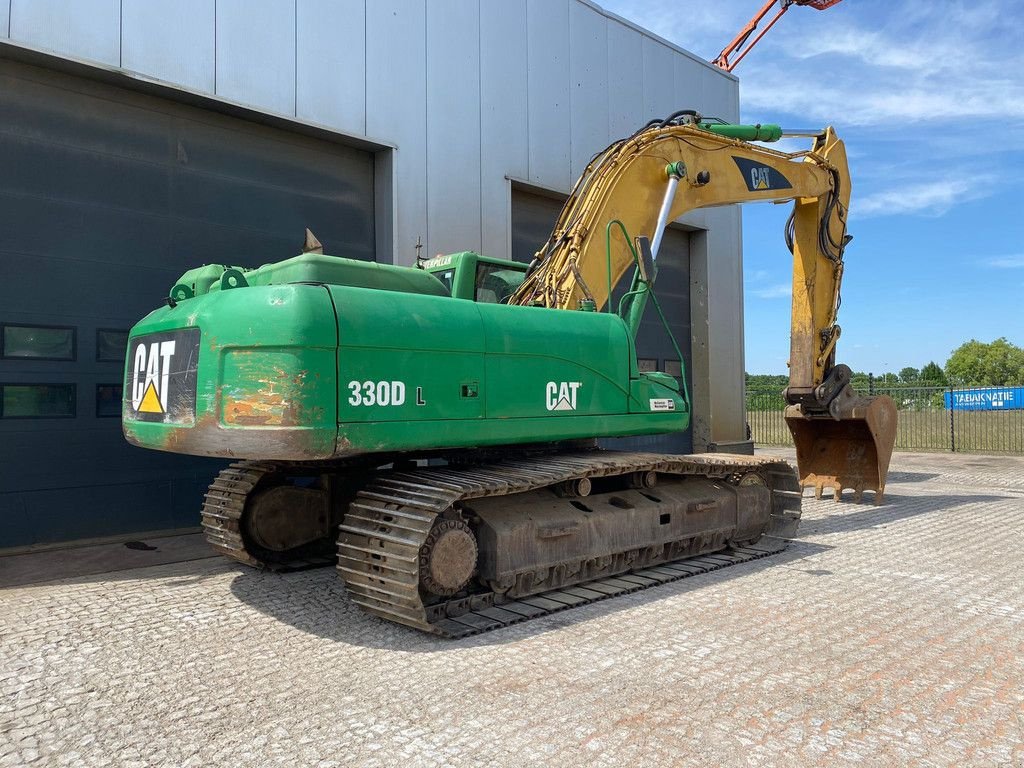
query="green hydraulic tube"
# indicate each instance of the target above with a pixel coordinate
(758, 132)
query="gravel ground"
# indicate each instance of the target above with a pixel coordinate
(888, 635)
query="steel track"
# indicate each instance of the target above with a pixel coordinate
(223, 507)
(383, 535)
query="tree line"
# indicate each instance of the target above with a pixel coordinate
(973, 364)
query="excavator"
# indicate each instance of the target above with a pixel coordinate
(432, 430)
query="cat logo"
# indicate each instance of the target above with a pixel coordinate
(760, 177)
(561, 395)
(161, 382)
(152, 372)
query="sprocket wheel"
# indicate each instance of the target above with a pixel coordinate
(447, 557)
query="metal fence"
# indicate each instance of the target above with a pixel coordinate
(924, 423)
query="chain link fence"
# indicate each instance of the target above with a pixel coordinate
(925, 423)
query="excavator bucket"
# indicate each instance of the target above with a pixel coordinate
(849, 449)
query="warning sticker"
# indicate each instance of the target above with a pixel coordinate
(663, 404)
(161, 383)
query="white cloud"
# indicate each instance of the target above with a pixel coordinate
(778, 291)
(927, 199)
(701, 27)
(1007, 262)
(879, 103)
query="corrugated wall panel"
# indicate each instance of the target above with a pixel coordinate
(172, 42)
(256, 53)
(85, 29)
(453, 126)
(625, 79)
(503, 120)
(588, 84)
(547, 23)
(330, 65)
(396, 102)
(5, 18)
(689, 84)
(659, 80)
(725, 322)
(720, 100)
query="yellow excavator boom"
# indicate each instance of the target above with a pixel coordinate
(680, 164)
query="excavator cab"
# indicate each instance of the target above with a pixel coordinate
(470, 275)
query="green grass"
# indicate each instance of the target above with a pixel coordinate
(922, 430)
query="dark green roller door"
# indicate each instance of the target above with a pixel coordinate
(106, 196)
(533, 218)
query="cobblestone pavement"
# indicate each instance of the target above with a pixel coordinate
(883, 636)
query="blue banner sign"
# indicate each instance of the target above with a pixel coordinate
(988, 399)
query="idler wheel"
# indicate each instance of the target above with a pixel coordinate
(751, 478)
(447, 558)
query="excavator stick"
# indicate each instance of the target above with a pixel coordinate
(848, 447)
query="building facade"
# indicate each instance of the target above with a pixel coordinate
(139, 139)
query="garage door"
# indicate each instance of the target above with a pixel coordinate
(106, 197)
(533, 217)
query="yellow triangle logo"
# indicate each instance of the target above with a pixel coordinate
(150, 401)
(762, 184)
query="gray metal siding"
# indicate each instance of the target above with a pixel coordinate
(84, 29)
(588, 84)
(503, 116)
(688, 87)
(171, 41)
(453, 125)
(256, 53)
(625, 79)
(659, 80)
(106, 197)
(547, 23)
(396, 101)
(330, 65)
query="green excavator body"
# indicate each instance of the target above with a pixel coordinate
(319, 357)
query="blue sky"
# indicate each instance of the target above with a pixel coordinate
(929, 98)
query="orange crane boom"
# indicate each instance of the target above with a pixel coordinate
(739, 43)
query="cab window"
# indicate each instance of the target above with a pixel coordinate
(446, 277)
(495, 283)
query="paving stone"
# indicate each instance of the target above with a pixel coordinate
(886, 635)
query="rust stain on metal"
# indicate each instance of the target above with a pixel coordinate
(270, 410)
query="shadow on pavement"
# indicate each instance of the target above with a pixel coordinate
(910, 477)
(315, 602)
(894, 509)
(110, 561)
